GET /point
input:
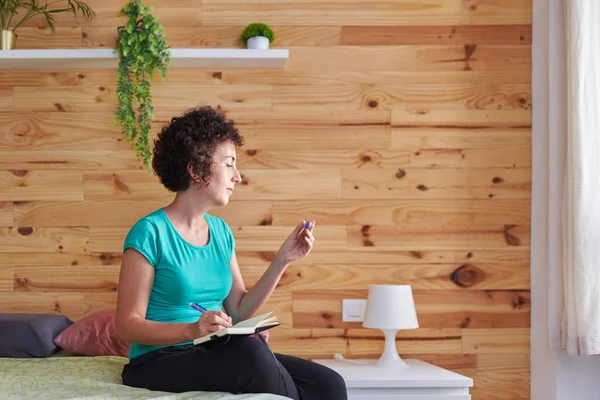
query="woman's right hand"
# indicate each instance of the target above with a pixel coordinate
(209, 322)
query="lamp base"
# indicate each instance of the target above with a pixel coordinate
(390, 357)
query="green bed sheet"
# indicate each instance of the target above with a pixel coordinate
(90, 378)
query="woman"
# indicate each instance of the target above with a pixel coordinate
(180, 254)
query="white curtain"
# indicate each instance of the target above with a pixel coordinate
(574, 176)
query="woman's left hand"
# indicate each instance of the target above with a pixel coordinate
(298, 244)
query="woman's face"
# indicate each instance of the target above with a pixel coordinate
(224, 174)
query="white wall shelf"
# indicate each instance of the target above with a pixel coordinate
(180, 58)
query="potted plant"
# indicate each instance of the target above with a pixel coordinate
(142, 49)
(27, 9)
(257, 36)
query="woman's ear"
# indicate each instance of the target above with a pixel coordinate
(191, 172)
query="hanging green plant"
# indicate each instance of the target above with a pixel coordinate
(142, 49)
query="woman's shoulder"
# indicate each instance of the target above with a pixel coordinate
(150, 221)
(217, 222)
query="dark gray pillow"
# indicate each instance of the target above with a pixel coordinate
(30, 335)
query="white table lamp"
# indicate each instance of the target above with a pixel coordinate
(390, 308)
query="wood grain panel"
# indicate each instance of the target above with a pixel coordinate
(178, 98)
(107, 17)
(97, 301)
(497, 11)
(48, 77)
(435, 35)
(60, 131)
(6, 98)
(44, 38)
(490, 341)
(107, 239)
(376, 238)
(465, 119)
(248, 238)
(247, 119)
(472, 158)
(514, 255)
(217, 37)
(410, 214)
(413, 58)
(126, 211)
(361, 343)
(280, 303)
(6, 279)
(316, 137)
(416, 139)
(300, 77)
(268, 238)
(69, 160)
(6, 213)
(68, 304)
(149, 3)
(103, 98)
(132, 185)
(74, 278)
(419, 276)
(473, 57)
(26, 185)
(237, 13)
(332, 59)
(65, 99)
(321, 158)
(502, 376)
(286, 184)
(43, 240)
(184, 76)
(436, 309)
(58, 259)
(426, 183)
(351, 97)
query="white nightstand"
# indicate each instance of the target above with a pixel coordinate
(422, 381)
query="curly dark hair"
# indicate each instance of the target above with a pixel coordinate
(191, 139)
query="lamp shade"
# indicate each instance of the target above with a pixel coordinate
(390, 307)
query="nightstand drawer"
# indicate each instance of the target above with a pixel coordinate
(421, 381)
(408, 397)
(355, 393)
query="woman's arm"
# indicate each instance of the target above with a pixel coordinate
(242, 303)
(135, 282)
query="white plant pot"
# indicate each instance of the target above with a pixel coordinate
(258, 43)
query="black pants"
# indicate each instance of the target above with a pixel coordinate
(238, 364)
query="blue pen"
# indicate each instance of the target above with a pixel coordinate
(306, 226)
(198, 307)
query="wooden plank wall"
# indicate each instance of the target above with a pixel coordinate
(401, 127)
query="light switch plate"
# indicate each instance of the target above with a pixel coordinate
(353, 310)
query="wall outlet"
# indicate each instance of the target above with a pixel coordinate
(353, 310)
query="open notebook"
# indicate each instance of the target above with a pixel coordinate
(247, 327)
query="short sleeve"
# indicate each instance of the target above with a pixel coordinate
(143, 237)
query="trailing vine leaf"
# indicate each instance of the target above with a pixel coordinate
(142, 49)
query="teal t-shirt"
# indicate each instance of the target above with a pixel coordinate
(183, 272)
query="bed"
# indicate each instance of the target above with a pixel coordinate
(89, 378)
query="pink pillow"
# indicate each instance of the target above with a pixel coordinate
(94, 335)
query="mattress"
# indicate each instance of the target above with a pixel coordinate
(89, 378)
